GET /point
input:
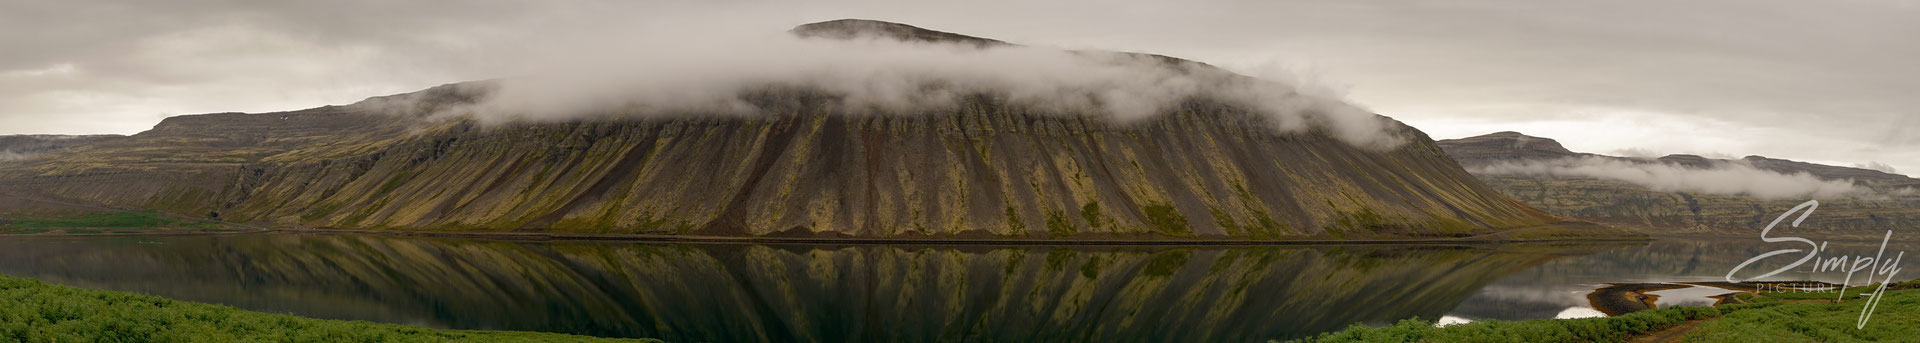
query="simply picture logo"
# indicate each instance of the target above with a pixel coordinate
(1876, 267)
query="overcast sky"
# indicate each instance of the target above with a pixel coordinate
(1831, 81)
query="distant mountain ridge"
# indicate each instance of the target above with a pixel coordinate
(1504, 146)
(986, 169)
(1512, 146)
(860, 28)
(1893, 206)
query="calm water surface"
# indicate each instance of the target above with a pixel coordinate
(745, 292)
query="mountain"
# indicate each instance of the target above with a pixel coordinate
(1504, 146)
(1885, 202)
(987, 168)
(1507, 146)
(859, 29)
(1826, 171)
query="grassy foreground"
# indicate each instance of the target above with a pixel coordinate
(1778, 317)
(32, 311)
(1897, 319)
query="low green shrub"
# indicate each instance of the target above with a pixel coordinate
(98, 219)
(1776, 317)
(32, 311)
(1608, 329)
(1895, 320)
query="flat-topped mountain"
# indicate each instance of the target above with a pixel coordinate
(1502, 146)
(861, 28)
(803, 166)
(1824, 171)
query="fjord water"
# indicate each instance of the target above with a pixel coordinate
(746, 292)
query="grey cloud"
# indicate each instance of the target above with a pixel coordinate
(669, 77)
(1722, 178)
(8, 155)
(1637, 153)
(1883, 167)
(1819, 81)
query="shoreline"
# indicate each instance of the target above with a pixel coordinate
(1618, 299)
(1755, 235)
(519, 236)
(646, 238)
(1607, 234)
(144, 233)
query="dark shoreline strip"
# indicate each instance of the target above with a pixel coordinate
(150, 233)
(858, 241)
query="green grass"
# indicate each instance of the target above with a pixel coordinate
(1608, 329)
(1091, 212)
(110, 219)
(1165, 219)
(32, 311)
(1894, 320)
(122, 219)
(1058, 225)
(1775, 317)
(8, 231)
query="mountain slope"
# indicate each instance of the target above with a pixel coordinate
(988, 167)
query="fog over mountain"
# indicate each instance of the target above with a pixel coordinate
(892, 77)
(1718, 178)
(859, 129)
(1686, 194)
(1828, 82)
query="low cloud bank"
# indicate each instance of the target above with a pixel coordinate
(1637, 153)
(888, 77)
(1722, 178)
(1876, 165)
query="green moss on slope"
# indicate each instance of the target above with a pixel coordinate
(1059, 225)
(1165, 219)
(1091, 212)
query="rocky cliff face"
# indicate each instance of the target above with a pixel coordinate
(986, 168)
(1890, 205)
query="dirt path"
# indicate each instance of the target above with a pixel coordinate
(1671, 334)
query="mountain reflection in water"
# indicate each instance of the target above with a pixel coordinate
(741, 292)
(1559, 288)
